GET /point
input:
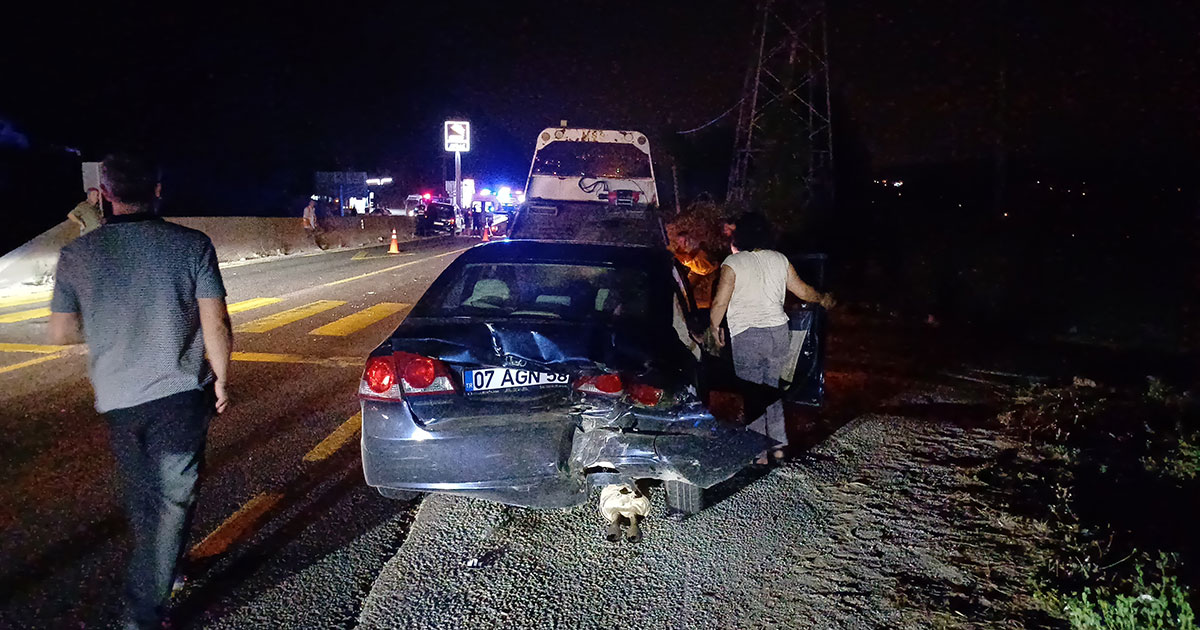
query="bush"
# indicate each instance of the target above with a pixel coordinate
(1161, 605)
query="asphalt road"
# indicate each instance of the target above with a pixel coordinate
(286, 534)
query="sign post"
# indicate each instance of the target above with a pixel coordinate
(457, 134)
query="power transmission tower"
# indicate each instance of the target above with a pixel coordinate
(784, 113)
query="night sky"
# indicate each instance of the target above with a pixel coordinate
(257, 95)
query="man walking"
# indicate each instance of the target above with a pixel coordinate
(86, 214)
(148, 299)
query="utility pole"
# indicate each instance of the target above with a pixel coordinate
(786, 86)
(458, 179)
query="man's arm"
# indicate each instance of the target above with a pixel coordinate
(74, 218)
(802, 290)
(66, 324)
(218, 344)
(65, 329)
(720, 302)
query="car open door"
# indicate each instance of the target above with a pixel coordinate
(804, 373)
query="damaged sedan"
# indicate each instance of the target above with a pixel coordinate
(531, 371)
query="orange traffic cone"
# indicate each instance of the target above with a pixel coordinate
(487, 234)
(394, 248)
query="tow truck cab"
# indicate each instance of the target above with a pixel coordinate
(592, 165)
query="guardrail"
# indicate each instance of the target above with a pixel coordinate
(236, 238)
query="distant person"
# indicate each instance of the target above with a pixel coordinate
(754, 282)
(488, 217)
(87, 214)
(147, 298)
(309, 216)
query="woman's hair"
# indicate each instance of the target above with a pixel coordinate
(752, 232)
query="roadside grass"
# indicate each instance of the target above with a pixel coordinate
(1148, 604)
(1113, 474)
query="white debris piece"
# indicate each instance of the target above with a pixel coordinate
(622, 500)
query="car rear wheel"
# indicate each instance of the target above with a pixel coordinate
(683, 497)
(399, 495)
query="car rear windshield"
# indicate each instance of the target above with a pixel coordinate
(540, 290)
(606, 160)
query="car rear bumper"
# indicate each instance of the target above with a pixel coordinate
(519, 461)
(547, 459)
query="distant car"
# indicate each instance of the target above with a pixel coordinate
(532, 370)
(438, 218)
(412, 204)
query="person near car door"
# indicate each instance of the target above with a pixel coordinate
(691, 255)
(753, 284)
(147, 298)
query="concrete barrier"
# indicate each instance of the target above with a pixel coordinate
(31, 266)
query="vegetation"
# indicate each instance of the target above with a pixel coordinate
(1116, 468)
(1148, 604)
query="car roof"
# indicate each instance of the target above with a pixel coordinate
(544, 251)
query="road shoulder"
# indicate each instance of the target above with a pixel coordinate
(830, 541)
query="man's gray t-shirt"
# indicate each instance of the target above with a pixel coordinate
(135, 282)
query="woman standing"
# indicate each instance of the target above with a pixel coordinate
(753, 284)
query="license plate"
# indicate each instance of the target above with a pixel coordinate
(490, 379)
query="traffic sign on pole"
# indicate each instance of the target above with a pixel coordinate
(458, 136)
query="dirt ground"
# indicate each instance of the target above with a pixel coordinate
(969, 488)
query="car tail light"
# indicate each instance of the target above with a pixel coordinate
(422, 375)
(645, 394)
(622, 197)
(404, 373)
(379, 379)
(604, 384)
(419, 372)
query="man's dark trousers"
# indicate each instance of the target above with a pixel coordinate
(159, 447)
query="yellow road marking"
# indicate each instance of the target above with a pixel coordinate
(21, 316)
(235, 527)
(18, 300)
(392, 268)
(24, 364)
(360, 320)
(245, 305)
(364, 255)
(30, 347)
(271, 322)
(335, 440)
(272, 357)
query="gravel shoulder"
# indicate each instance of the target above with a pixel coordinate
(872, 528)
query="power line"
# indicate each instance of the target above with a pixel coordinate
(711, 122)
